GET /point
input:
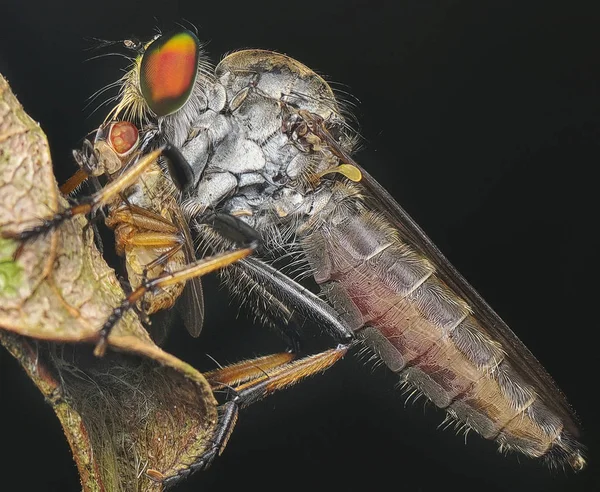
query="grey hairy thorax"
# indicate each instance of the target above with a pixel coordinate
(231, 134)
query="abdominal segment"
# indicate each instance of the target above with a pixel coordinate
(422, 330)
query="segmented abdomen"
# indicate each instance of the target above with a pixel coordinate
(425, 332)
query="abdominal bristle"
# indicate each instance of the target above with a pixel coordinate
(565, 451)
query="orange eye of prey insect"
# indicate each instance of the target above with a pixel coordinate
(168, 71)
(123, 137)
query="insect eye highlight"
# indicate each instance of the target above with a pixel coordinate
(123, 137)
(168, 71)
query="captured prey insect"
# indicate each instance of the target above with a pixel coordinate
(268, 143)
(149, 228)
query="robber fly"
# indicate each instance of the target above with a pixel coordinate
(268, 143)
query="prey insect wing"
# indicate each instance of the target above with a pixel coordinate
(157, 195)
(191, 303)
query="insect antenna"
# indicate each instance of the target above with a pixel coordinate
(100, 43)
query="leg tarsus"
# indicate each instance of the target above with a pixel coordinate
(227, 420)
(196, 269)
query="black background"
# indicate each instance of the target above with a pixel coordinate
(481, 118)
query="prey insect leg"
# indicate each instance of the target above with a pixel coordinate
(263, 377)
(196, 269)
(138, 227)
(143, 219)
(71, 184)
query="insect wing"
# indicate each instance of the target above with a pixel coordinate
(191, 303)
(516, 351)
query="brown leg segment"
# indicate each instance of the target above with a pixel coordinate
(162, 259)
(247, 370)
(73, 182)
(260, 384)
(128, 240)
(196, 269)
(152, 240)
(288, 375)
(141, 218)
(137, 227)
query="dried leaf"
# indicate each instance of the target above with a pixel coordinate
(137, 408)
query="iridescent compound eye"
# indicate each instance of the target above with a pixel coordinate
(168, 71)
(123, 137)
